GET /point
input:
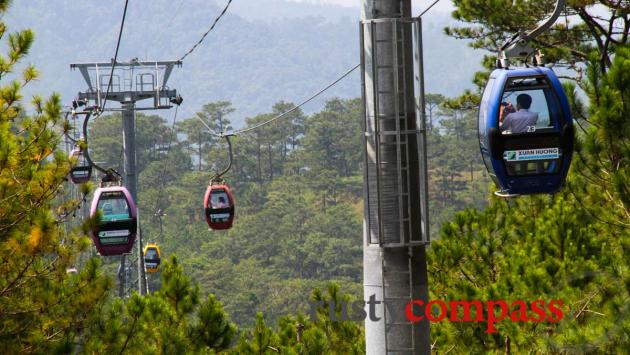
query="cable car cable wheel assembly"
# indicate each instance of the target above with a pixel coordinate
(525, 125)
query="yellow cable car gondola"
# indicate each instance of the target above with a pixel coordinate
(152, 257)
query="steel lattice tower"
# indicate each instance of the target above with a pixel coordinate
(131, 82)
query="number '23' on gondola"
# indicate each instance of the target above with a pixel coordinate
(525, 131)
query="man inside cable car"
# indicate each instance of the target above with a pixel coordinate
(526, 121)
(523, 120)
(505, 109)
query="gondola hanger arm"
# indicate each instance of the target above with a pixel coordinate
(111, 175)
(519, 45)
(218, 176)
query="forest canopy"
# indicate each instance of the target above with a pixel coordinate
(297, 234)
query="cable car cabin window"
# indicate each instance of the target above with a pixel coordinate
(528, 105)
(541, 167)
(80, 173)
(114, 207)
(219, 207)
(81, 170)
(483, 116)
(483, 107)
(219, 199)
(151, 254)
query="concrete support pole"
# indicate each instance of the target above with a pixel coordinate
(394, 275)
(131, 179)
(129, 146)
(122, 276)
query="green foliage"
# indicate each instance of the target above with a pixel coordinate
(299, 335)
(298, 191)
(298, 207)
(604, 150)
(496, 21)
(571, 246)
(432, 105)
(171, 321)
(42, 307)
(586, 32)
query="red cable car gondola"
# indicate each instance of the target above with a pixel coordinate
(116, 231)
(81, 171)
(219, 206)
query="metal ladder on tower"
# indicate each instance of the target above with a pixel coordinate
(398, 302)
(399, 122)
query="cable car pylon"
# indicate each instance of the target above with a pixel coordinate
(129, 83)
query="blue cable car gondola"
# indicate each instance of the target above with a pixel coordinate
(525, 131)
(116, 231)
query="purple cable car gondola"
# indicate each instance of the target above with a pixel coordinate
(116, 231)
(81, 171)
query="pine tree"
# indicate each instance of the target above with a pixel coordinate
(170, 321)
(571, 246)
(298, 335)
(42, 307)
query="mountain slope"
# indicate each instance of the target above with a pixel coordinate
(251, 58)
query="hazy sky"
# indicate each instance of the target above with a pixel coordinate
(443, 5)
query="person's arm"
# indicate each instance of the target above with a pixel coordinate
(506, 123)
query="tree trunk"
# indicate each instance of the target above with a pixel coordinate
(270, 155)
(199, 143)
(258, 159)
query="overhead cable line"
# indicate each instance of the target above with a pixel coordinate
(298, 106)
(213, 132)
(181, 2)
(428, 8)
(244, 130)
(163, 172)
(208, 31)
(111, 73)
(157, 212)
